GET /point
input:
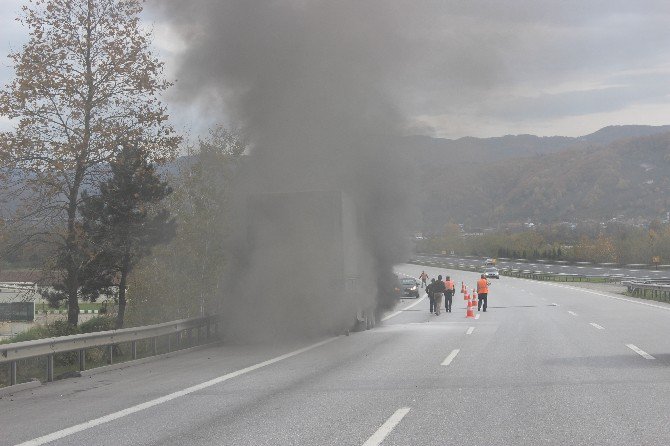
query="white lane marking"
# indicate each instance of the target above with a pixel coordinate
(386, 318)
(451, 356)
(572, 313)
(554, 304)
(597, 294)
(470, 330)
(599, 327)
(386, 428)
(477, 316)
(164, 399)
(640, 352)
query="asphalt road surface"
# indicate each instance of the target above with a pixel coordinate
(588, 269)
(548, 364)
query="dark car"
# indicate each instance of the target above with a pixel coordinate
(410, 286)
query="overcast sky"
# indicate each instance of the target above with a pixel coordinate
(489, 68)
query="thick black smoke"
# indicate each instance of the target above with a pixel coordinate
(307, 80)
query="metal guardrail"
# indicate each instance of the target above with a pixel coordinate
(11, 353)
(559, 277)
(557, 262)
(653, 289)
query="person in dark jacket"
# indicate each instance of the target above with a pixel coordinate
(429, 292)
(438, 289)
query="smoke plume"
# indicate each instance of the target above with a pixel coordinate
(308, 81)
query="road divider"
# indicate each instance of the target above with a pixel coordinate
(386, 428)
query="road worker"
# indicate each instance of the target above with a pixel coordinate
(482, 292)
(449, 294)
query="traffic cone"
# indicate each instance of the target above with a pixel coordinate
(471, 312)
(474, 299)
(466, 296)
(463, 289)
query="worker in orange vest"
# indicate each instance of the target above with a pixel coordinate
(449, 294)
(482, 292)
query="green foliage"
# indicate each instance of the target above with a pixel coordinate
(85, 81)
(36, 332)
(100, 323)
(123, 223)
(615, 244)
(182, 279)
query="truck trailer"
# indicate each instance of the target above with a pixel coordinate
(312, 270)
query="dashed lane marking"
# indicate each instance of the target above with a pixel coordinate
(451, 357)
(599, 327)
(386, 428)
(470, 330)
(572, 313)
(639, 351)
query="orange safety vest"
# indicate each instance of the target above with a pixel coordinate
(449, 284)
(482, 286)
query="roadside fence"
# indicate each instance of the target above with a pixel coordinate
(25, 360)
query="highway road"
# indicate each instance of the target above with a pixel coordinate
(638, 272)
(547, 364)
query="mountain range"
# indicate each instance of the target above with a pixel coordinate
(618, 172)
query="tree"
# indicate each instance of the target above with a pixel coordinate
(200, 204)
(85, 84)
(123, 223)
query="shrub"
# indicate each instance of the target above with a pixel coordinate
(100, 323)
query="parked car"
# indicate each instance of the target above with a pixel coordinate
(490, 262)
(492, 273)
(410, 287)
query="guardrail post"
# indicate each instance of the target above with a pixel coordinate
(50, 368)
(110, 354)
(12, 373)
(133, 349)
(169, 343)
(82, 359)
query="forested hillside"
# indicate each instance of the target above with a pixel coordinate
(627, 179)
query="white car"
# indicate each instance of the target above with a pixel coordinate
(492, 273)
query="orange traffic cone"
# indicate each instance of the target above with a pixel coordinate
(466, 296)
(463, 289)
(471, 312)
(474, 299)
